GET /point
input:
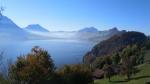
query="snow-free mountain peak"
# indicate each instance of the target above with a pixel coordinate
(89, 29)
(36, 28)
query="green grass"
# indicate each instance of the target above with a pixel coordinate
(141, 77)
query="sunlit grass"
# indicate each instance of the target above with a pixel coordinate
(141, 77)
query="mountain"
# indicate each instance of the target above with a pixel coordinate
(10, 30)
(88, 29)
(114, 44)
(97, 35)
(36, 28)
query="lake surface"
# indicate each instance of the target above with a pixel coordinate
(61, 51)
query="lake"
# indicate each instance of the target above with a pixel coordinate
(61, 51)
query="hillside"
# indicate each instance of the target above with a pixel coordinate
(114, 44)
(139, 78)
(10, 30)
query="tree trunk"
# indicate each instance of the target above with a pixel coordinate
(128, 77)
(109, 79)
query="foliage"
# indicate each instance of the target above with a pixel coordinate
(131, 56)
(108, 71)
(115, 44)
(98, 63)
(38, 68)
(147, 43)
(123, 63)
(101, 61)
(35, 68)
(147, 57)
(115, 59)
(3, 80)
(76, 74)
(141, 77)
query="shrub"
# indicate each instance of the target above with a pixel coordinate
(76, 74)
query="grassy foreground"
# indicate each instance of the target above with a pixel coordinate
(141, 77)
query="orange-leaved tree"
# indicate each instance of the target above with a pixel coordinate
(35, 68)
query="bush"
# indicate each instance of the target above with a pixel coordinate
(76, 74)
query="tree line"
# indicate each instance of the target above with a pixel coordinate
(37, 67)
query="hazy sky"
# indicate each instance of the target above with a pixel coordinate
(76, 14)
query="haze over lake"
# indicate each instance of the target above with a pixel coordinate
(62, 51)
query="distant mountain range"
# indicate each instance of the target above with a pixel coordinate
(94, 34)
(35, 28)
(10, 30)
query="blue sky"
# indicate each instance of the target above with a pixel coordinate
(76, 14)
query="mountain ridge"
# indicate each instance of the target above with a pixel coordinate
(36, 28)
(114, 44)
(10, 30)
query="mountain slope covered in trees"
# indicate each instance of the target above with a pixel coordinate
(114, 44)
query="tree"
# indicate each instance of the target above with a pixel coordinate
(101, 61)
(127, 62)
(147, 43)
(35, 68)
(108, 70)
(115, 59)
(98, 63)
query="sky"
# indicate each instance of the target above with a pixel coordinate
(69, 15)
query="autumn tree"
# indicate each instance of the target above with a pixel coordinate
(35, 68)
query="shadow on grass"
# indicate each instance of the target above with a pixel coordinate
(140, 77)
(135, 78)
(118, 81)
